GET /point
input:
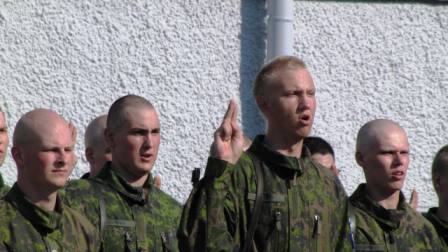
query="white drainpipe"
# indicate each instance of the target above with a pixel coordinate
(280, 28)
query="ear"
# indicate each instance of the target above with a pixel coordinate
(17, 156)
(262, 103)
(359, 159)
(437, 183)
(109, 137)
(89, 155)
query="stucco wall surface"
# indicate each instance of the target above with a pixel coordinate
(189, 58)
(378, 61)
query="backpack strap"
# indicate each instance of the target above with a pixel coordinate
(351, 224)
(249, 242)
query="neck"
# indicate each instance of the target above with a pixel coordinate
(442, 211)
(133, 180)
(41, 198)
(286, 145)
(388, 200)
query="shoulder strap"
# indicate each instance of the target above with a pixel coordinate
(351, 224)
(248, 242)
(102, 205)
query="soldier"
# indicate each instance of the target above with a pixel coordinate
(33, 218)
(96, 151)
(273, 197)
(381, 220)
(322, 152)
(438, 216)
(121, 200)
(4, 140)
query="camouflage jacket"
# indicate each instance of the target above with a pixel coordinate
(400, 230)
(3, 188)
(440, 225)
(129, 218)
(26, 227)
(304, 204)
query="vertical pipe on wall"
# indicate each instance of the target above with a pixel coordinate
(280, 28)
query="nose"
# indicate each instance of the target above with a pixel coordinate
(305, 102)
(399, 159)
(61, 159)
(148, 142)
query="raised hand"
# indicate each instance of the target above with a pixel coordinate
(414, 199)
(228, 138)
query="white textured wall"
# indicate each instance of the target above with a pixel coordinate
(189, 57)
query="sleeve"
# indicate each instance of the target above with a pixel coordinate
(199, 208)
(342, 214)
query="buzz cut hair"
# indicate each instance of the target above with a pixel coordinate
(318, 145)
(116, 117)
(439, 165)
(269, 73)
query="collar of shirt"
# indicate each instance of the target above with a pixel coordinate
(44, 221)
(111, 177)
(275, 159)
(388, 219)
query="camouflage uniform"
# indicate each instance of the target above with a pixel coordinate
(380, 229)
(440, 225)
(304, 205)
(130, 218)
(3, 188)
(26, 227)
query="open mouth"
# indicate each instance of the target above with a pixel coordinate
(398, 175)
(305, 119)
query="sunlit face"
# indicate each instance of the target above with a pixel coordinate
(136, 144)
(386, 163)
(46, 161)
(4, 139)
(326, 160)
(290, 104)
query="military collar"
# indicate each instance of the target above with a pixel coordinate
(440, 225)
(110, 176)
(276, 159)
(388, 219)
(44, 221)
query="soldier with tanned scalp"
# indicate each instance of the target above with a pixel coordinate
(303, 205)
(381, 219)
(438, 216)
(96, 151)
(4, 140)
(33, 218)
(131, 213)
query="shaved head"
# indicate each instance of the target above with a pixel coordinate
(96, 151)
(43, 152)
(36, 123)
(95, 131)
(382, 150)
(118, 112)
(371, 132)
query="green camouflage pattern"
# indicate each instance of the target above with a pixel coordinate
(3, 188)
(440, 225)
(193, 224)
(138, 219)
(26, 227)
(400, 230)
(304, 206)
